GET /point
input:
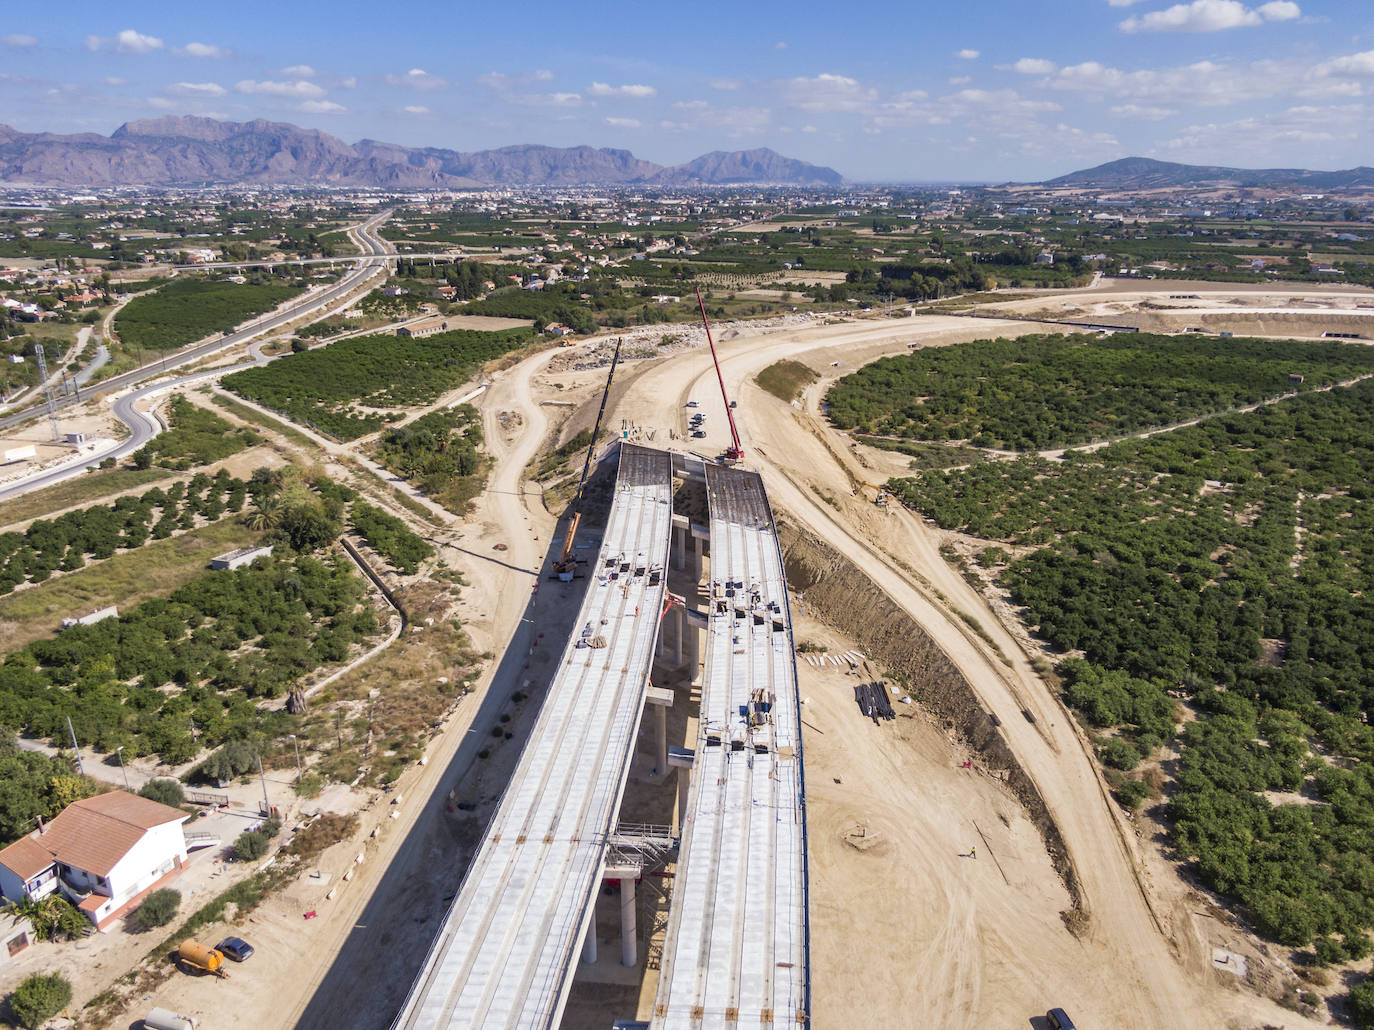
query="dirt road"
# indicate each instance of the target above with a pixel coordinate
(1122, 970)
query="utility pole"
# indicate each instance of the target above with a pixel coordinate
(266, 804)
(80, 766)
(47, 389)
(119, 753)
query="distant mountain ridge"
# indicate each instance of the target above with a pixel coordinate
(187, 150)
(1147, 173)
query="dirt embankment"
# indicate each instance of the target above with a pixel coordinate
(1260, 323)
(838, 593)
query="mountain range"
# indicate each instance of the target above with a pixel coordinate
(1138, 173)
(186, 151)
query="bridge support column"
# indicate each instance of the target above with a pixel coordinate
(629, 933)
(679, 628)
(589, 944)
(660, 699)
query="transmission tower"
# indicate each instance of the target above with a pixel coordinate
(47, 390)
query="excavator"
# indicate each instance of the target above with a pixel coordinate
(566, 565)
(734, 452)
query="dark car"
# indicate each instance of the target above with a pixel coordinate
(1058, 1019)
(235, 947)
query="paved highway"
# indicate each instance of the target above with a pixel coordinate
(366, 237)
(143, 426)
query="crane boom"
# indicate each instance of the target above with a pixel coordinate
(565, 564)
(734, 452)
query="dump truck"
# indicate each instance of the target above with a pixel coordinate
(194, 955)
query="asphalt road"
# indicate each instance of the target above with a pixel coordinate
(367, 238)
(144, 426)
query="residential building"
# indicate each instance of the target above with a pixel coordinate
(424, 327)
(103, 853)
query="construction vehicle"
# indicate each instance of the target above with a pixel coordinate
(566, 565)
(194, 955)
(734, 452)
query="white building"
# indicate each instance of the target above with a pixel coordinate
(103, 853)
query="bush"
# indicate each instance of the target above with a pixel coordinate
(253, 844)
(158, 908)
(164, 792)
(1360, 1004)
(39, 998)
(1132, 793)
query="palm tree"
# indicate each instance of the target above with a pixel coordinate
(266, 514)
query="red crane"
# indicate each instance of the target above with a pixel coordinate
(734, 452)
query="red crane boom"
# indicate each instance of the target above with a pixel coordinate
(734, 452)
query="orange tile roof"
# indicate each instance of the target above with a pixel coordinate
(25, 858)
(95, 833)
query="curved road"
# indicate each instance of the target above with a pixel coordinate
(366, 237)
(143, 426)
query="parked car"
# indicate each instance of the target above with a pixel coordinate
(691, 404)
(235, 947)
(1058, 1019)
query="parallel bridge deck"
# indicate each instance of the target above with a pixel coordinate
(504, 956)
(737, 951)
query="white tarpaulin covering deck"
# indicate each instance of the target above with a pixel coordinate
(737, 952)
(505, 954)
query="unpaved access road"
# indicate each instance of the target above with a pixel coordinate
(1125, 969)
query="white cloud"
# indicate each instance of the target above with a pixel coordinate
(321, 107)
(542, 75)
(299, 71)
(1203, 83)
(348, 82)
(114, 80)
(1357, 65)
(623, 123)
(1256, 139)
(1035, 66)
(827, 92)
(691, 105)
(416, 109)
(810, 128)
(1143, 111)
(1210, 16)
(637, 92)
(1123, 3)
(196, 89)
(1279, 10)
(300, 89)
(493, 80)
(725, 84)
(779, 45)
(417, 78)
(960, 80)
(201, 50)
(126, 42)
(968, 55)
(547, 99)
(18, 39)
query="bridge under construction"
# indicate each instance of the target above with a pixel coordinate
(736, 948)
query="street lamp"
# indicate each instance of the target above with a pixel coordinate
(297, 746)
(119, 753)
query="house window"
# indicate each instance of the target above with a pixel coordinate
(17, 944)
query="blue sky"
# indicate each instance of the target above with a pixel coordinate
(914, 91)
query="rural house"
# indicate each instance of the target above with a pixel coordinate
(103, 853)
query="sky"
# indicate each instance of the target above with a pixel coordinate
(915, 91)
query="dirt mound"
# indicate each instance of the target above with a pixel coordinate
(838, 593)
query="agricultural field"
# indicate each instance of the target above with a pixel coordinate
(196, 437)
(439, 453)
(69, 541)
(189, 309)
(389, 537)
(1047, 391)
(1226, 564)
(207, 652)
(354, 387)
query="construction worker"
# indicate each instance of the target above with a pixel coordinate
(973, 851)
